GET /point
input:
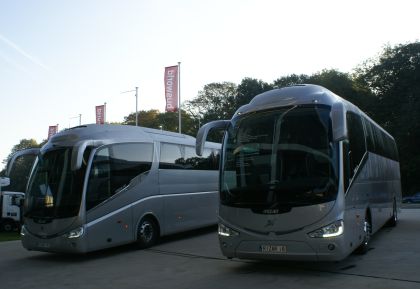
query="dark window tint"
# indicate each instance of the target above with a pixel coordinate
(379, 142)
(114, 167)
(171, 156)
(19, 173)
(55, 189)
(370, 141)
(175, 156)
(279, 159)
(356, 141)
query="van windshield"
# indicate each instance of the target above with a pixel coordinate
(280, 159)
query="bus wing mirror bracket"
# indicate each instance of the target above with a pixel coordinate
(77, 154)
(338, 115)
(204, 131)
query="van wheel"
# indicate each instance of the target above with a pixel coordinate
(8, 226)
(392, 222)
(147, 233)
(367, 228)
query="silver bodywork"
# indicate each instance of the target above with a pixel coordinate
(177, 200)
(374, 192)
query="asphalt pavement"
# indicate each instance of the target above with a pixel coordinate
(193, 260)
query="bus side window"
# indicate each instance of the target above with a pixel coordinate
(113, 168)
(370, 141)
(357, 145)
(171, 156)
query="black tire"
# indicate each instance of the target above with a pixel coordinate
(147, 233)
(8, 226)
(392, 222)
(364, 247)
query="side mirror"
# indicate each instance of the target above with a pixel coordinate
(204, 131)
(338, 115)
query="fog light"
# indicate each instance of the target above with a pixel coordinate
(331, 247)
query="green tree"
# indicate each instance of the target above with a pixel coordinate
(290, 80)
(215, 101)
(248, 88)
(167, 121)
(145, 118)
(394, 79)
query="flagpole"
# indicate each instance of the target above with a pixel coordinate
(179, 96)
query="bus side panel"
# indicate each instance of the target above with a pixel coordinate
(190, 198)
(374, 189)
(114, 222)
(110, 230)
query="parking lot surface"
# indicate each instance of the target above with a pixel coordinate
(193, 260)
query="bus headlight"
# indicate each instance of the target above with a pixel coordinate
(75, 233)
(225, 231)
(332, 230)
(23, 231)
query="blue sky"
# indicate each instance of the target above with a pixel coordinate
(59, 59)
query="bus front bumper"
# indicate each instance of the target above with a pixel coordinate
(56, 244)
(285, 247)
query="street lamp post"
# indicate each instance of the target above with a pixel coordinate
(137, 93)
(79, 117)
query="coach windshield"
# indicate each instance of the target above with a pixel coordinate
(55, 190)
(279, 159)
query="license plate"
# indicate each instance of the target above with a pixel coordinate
(44, 245)
(273, 249)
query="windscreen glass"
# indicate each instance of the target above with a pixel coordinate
(280, 159)
(55, 190)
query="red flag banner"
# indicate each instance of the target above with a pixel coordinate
(100, 114)
(171, 88)
(52, 130)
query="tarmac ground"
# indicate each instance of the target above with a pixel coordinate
(194, 260)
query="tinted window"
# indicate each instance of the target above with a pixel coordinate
(114, 167)
(55, 190)
(379, 142)
(370, 141)
(19, 173)
(171, 156)
(356, 141)
(279, 159)
(174, 156)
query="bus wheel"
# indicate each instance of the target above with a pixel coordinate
(147, 233)
(367, 228)
(392, 222)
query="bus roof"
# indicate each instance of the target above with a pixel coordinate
(300, 94)
(106, 133)
(291, 95)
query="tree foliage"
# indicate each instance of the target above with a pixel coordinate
(167, 121)
(215, 101)
(394, 80)
(248, 88)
